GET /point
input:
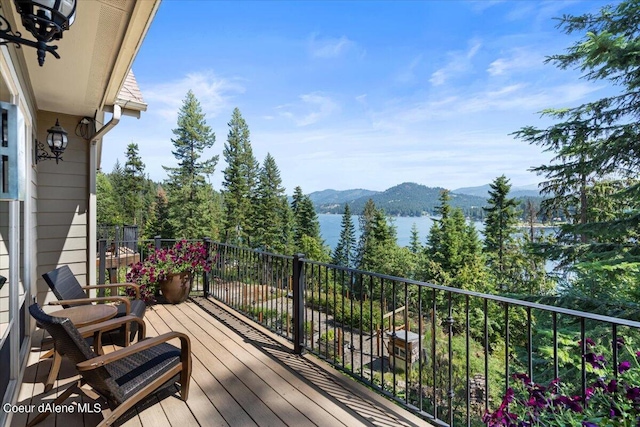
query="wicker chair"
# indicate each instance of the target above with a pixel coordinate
(123, 377)
(69, 292)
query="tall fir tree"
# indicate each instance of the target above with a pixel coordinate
(134, 186)
(239, 184)
(306, 228)
(268, 218)
(453, 254)
(597, 140)
(159, 224)
(365, 223)
(296, 203)
(107, 209)
(287, 225)
(187, 188)
(414, 240)
(499, 230)
(118, 183)
(344, 252)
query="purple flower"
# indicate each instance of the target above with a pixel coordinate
(589, 392)
(612, 387)
(633, 393)
(589, 424)
(596, 360)
(624, 366)
(571, 403)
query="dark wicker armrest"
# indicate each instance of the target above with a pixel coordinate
(116, 285)
(110, 325)
(96, 362)
(80, 301)
(98, 329)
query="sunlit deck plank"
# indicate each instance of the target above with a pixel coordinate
(222, 365)
(256, 372)
(242, 375)
(316, 407)
(355, 403)
(200, 405)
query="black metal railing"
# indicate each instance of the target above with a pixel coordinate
(115, 258)
(447, 354)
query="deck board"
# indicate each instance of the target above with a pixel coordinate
(242, 375)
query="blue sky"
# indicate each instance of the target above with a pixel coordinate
(360, 94)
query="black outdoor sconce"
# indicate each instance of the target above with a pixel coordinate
(56, 140)
(45, 19)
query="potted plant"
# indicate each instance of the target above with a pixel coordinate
(171, 270)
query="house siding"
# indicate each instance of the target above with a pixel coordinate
(62, 205)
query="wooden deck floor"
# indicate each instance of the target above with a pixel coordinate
(242, 376)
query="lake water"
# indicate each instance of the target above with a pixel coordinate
(331, 225)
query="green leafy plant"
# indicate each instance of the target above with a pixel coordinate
(611, 399)
(183, 256)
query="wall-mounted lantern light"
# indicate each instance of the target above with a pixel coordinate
(45, 19)
(56, 140)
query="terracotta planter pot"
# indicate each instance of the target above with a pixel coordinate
(177, 287)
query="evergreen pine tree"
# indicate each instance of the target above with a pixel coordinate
(453, 254)
(239, 183)
(107, 211)
(268, 217)
(596, 141)
(414, 241)
(344, 251)
(499, 229)
(159, 224)
(287, 225)
(187, 189)
(306, 228)
(365, 222)
(118, 183)
(134, 186)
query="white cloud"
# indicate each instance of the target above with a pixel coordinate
(519, 59)
(458, 62)
(520, 98)
(482, 5)
(214, 94)
(407, 75)
(312, 108)
(329, 47)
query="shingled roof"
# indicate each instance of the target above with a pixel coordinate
(130, 96)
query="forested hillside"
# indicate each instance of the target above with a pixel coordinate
(339, 198)
(407, 199)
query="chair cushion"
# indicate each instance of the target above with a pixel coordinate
(64, 284)
(138, 308)
(138, 370)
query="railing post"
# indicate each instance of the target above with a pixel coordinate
(205, 278)
(158, 242)
(298, 303)
(102, 251)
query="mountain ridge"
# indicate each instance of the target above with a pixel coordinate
(406, 199)
(412, 199)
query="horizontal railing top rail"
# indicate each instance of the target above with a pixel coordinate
(491, 297)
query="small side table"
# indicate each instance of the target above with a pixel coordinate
(87, 314)
(80, 315)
